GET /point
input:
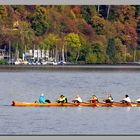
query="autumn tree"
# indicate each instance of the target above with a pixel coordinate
(121, 49)
(99, 24)
(86, 30)
(86, 13)
(3, 12)
(96, 53)
(51, 42)
(26, 35)
(111, 50)
(39, 21)
(90, 33)
(73, 43)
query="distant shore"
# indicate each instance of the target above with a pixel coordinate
(68, 67)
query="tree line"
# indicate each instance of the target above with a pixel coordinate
(80, 34)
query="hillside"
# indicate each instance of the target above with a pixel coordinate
(79, 34)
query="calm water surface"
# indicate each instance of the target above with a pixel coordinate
(27, 86)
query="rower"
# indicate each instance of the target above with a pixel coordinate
(62, 99)
(138, 100)
(126, 99)
(109, 99)
(77, 99)
(42, 99)
(94, 99)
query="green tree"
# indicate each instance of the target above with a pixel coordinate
(51, 43)
(86, 13)
(96, 53)
(111, 50)
(121, 49)
(99, 51)
(39, 21)
(91, 58)
(26, 34)
(3, 12)
(73, 43)
(99, 24)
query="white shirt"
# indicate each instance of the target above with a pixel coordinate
(127, 99)
(111, 99)
(78, 99)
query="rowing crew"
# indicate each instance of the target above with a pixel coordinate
(109, 99)
(62, 99)
(93, 99)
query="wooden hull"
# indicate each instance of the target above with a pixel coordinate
(50, 104)
(115, 104)
(123, 104)
(104, 104)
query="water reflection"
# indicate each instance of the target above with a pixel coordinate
(138, 108)
(128, 109)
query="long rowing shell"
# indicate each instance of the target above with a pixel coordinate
(50, 104)
(114, 104)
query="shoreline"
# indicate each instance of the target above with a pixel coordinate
(69, 67)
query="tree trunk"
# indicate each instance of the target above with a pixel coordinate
(98, 9)
(17, 53)
(56, 59)
(63, 52)
(9, 51)
(125, 54)
(25, 49)
(41, 53)
(108, 11)
(134, 59)
(33, 50)
(37, 54)
(77, 56)
(53, 53)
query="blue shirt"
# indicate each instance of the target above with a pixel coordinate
(41, 99)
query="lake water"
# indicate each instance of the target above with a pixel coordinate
(27, 86)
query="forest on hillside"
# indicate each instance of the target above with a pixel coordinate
(77, 33)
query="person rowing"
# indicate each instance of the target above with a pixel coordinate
(126, 99)
(77, 99)
(94, 99)
(42, 99)
(109, 99)
(138, 100)
(62, 99)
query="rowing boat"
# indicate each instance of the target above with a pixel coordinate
(114, 104)
(50, 104)
(118, 104)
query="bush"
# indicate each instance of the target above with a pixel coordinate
(138, 55)
(2, 62)
(129, 57)
(91, 58)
